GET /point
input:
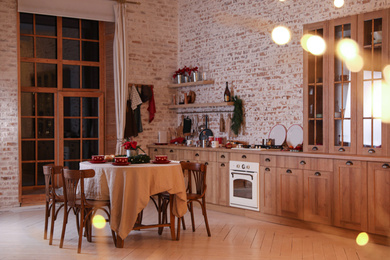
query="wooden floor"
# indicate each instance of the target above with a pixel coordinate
(232, 237)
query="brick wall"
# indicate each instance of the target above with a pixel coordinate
(231, 41)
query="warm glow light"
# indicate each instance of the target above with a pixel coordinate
(304, 41)
(347, 49)
(362, 239)
(316, 45)
(355, 64)
(338, 3)
(98, 221)
(281, 35)
(386, 74)
(385, 105)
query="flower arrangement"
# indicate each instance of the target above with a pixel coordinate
(185, 70)
(131, 145)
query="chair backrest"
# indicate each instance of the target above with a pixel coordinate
(196, 175)
(54, 179)
(72, 179)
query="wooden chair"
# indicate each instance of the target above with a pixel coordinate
(195, 174)
(84, 207)
(54, 179)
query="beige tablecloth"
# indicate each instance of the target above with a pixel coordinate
(128, 188)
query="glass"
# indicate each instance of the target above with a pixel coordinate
(367, 98)
(71, 149)
(26, 23)
(71, 50)
(28, 128)
(367, 75)
(91, 77)
(90, 128)
(90, 106)
(28, 150)
(45, 150)
(311, 101)
(347, 132)
(27, 104)
(242, 189)
(28, 174)
(377, 98)
(46, 75)
(45, 128)
(90, 51)
(311, 132)
(71, 106)
(90, 29)
(319, 132)
(72, 165)
(45, 104)
(337, 132)
(27, 74)
(72, 128)
(377, 135)
(45, 25)
(46, 48)
(26, 46)
(347, 100)
(40, 175)
(311, 68)
(70, 28)
(71, 76)
(90, 147)
(367, 132)
(319, 99)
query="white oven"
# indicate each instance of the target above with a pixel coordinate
(244, 185)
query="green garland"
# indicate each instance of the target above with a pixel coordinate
(238, 115)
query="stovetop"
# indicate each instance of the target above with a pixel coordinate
(260, 147)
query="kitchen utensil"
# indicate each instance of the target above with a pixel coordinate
(205, 133)
(270, 142)
(222, 124)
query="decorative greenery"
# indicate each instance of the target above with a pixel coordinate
(238, 115)
(185, 70)
(141, 158)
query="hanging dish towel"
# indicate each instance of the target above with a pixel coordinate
(152, 106)
(135, 98)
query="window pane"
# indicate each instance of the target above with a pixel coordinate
(71, 76)
(72, 165)
(26, 46)
(377, 96)
(28, 150)
(90, 147)
(347, 132)
(45, 25)
(45, 150)
(41, 176)
(46, 48)
(347, 100)
(90, 128)
(90, 107)
(71, 50)
(46, 75)
(70, 28)
(72, 128)
(337, 132)
(319, 133)
(367, 132)
(90, 77)
(90, 51)
(27, 104)
(26, 23)
(27, 74)
(28, 128)
(377, 133)
(311, 132)
(45, 104)
(45, 128)
(367, 99)
(71, 150)
(71, 106)
(28, 174)
(90, 29)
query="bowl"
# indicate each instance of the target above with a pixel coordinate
(97, 158)
(161, 158)
(120, 160)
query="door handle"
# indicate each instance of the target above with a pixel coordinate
(317, 174)
(289, 171)
(341, 149)
(315, 148)
(302, 162)
(196, 154)
(385, 166)
(223, 156)
(243, 157)
(171, 151)
(155, 149)
(267, 169)
(371, 151)
(267, 159)
(349, 163)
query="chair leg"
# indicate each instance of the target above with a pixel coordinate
(47, 213)
(53, 213)
(183, 223)
(205, 216)
(192, 216)
(159, 210)
(81, 231)
(178, 228)
(66, 213)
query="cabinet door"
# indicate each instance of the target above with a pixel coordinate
(373, 38)
(315, 93)
(268, 190)
(379, 198)
(350, 196)
(318, 188)
(342, 131)
(212, 182)
(172, 153)
(290, 193)
(223, 183)
(244, 157)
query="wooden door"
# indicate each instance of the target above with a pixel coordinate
(290, 193)
(350, 194)
(268, 189)
(379, 198)
(212, 182)
(318, 196)
(223, 184)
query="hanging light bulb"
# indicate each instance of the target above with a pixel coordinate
(347, 49)
(304, 41)
(281, 35)
(338, 3)
(316, 45)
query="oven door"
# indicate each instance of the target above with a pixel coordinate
(244, 189)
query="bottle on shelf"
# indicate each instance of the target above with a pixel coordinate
(226, 96)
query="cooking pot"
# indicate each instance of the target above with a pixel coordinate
(205, 133)
(270, 142)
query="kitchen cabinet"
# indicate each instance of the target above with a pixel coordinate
(350, 194)
(379, 198)
(170, 152)
(268, 184)
(244, 157)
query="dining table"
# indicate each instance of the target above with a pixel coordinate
(129, 187)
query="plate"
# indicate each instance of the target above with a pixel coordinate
(98, 161)
(278, 132)
(161, 143)
(162, 162)
(294, 135)
(120, 164)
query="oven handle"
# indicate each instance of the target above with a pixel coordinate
(232, 173)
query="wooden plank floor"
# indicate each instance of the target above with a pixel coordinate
(232, 237)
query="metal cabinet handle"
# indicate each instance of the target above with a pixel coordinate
(289, 171)
(317, 174)
(341, 149)
(223, 156)
(371, 151)
(243, 157)
(222, 165)
(267, 159)
(196, 154)
(302, 162)
(267, 169)
(155, 149)
(171, 151)
(315, 148)
(349, 163)
(385, 166)
(206, 163)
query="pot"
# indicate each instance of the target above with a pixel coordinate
(270, 142)
(205, 133)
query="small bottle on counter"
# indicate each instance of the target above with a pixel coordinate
(226, 96)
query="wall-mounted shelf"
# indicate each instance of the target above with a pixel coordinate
(188, 84)
(221, 104)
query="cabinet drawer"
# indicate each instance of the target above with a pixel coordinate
(293, 162)
(223, 157)
(200, 156)
(245, 157)
(317, 164)
(267, 160)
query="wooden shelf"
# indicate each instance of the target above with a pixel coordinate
(222, 104)
(188, 84)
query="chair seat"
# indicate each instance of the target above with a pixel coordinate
(98, 203)
(193, 196)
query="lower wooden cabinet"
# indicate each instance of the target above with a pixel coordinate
(379, 198)
(350, 194)
(223, 184)
(212, 182)
(268, 190)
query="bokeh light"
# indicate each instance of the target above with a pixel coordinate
(385, 105)
(386, 74)
(338, 3)
(362, 239)
(355, 64)
(281, 35)
(316, 45)
(99, 221)
(347, 49)
(304, 41)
